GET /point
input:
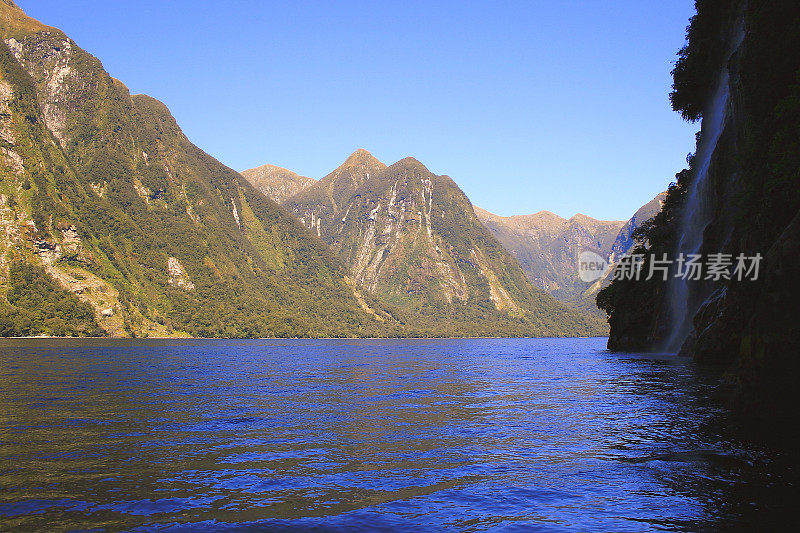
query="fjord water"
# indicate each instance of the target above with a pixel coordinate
(371, 435)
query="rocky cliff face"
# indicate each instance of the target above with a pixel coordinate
(750, 176)
(104, 191)
(412, 239)
(277, 183)
(624, 241)
(547, 247)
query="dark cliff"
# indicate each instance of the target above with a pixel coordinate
(752, 197)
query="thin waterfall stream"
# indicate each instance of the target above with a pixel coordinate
(698, 211)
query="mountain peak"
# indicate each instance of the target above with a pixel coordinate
(411, 163)
(411, 239)
(277, 183)
(580, 218)
(266, 167)
(363, 157)
(225, 249)
(14, 21)
(546, 215)
(336, 187)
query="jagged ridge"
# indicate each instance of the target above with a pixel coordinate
(412, 239)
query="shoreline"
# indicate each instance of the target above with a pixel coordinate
(45, 337)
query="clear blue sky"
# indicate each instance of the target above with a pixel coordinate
(531, 105)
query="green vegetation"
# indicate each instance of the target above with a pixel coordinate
(171, 242)
(767, 81)
(640, 322)
(699, 61)
(120, 172)
(38, 306)
(757, 171)
(753, 187)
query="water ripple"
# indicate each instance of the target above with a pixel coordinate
(343, 435)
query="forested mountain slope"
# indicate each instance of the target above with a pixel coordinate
(103, 190)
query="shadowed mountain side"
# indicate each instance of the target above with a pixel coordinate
(624, 241)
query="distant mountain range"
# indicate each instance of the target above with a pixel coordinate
(545, 245)
(411, 239)
(113, 222)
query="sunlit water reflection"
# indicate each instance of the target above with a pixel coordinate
(383, 435)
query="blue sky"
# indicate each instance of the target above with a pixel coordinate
(530, 105)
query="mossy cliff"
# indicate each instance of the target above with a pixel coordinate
(103, 192)
(753, 197)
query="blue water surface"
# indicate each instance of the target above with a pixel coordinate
(372, 435)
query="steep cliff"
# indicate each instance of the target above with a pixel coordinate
(412, 239)
(740, 74)
(103, 190)
(624, 240)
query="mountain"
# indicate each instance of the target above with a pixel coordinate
(277, 183)
(547, 246)
(624, 241)
(411, 238)
(106, 206)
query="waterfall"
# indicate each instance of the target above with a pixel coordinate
(698, 210)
